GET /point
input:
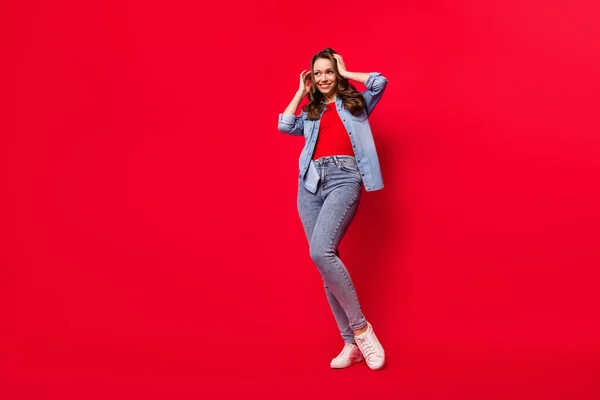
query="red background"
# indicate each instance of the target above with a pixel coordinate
(152, 247)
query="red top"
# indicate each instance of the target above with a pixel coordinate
(333, 138)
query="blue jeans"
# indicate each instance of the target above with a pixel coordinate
(326, 216)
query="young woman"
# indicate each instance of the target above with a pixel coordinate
(339, 156)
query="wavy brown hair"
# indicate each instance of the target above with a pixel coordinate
(352, 98)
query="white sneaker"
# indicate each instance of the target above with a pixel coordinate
(350, 354)
(371, 348)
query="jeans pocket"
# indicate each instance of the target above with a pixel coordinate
(349, 167)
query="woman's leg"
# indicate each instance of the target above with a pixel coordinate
(342, 195)
(309, 208)
(340, 317)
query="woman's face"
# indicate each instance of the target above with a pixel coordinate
(324, 76)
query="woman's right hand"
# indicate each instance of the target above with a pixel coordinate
(302, 91)
(304, 80)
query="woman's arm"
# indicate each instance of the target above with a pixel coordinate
(357, 76)
(288, 122)
(374, 82)
(293, 106)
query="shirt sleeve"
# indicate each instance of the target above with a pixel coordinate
(293, 125)
(375, 86)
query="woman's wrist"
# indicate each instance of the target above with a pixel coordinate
(300, 95)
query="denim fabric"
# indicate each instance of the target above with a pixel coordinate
(326, 216)
(359, 132)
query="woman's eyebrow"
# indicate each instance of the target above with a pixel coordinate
(318, 70)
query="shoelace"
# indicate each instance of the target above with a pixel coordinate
(366, 347)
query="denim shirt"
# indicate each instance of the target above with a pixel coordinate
(359, 132)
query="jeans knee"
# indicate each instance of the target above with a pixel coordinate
(320, 254)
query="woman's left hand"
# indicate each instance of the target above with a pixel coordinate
(340, 65)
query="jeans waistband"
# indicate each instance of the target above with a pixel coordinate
(332, 159)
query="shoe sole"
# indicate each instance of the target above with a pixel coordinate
(351, 364)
